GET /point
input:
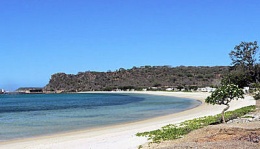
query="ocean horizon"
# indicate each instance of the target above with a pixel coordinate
(30, 115)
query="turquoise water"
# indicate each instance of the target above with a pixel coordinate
(27, 115)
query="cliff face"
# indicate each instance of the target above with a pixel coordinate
(142, 77)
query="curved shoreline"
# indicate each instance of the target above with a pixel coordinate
(123, 135)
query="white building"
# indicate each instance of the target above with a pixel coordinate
(246, 90)
(169, 89)
(2, 91)
(206, 89)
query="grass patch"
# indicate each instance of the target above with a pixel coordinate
(247, 116)
(175, 131)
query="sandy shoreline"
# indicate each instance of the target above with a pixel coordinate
(123, 136)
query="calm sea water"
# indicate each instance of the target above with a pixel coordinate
(27, 115)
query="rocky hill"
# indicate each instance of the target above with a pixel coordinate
(138, 78)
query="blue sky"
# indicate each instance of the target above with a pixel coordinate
(41, 37)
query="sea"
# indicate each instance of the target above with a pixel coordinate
(30, 115)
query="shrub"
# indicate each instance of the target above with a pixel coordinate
(257, 96)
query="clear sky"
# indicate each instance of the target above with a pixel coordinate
(41, 37)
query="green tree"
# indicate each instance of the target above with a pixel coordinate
(257, 72)
(224, 95)
(237, 77)
(244, 54)
(245, 62)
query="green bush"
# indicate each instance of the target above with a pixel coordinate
(257, 96)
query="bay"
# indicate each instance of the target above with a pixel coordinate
(29, 115)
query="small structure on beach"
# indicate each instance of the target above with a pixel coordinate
(169, 89)
(246, 90)
(206, 89)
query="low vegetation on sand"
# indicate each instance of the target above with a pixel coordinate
(175, 131)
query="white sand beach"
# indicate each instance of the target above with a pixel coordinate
(123, 136)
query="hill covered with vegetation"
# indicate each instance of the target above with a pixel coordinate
(138, 78)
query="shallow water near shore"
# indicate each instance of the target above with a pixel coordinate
(23, 116)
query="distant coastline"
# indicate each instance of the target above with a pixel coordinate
(143, 78)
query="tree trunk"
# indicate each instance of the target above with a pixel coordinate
(258, 105)
(223, 113)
